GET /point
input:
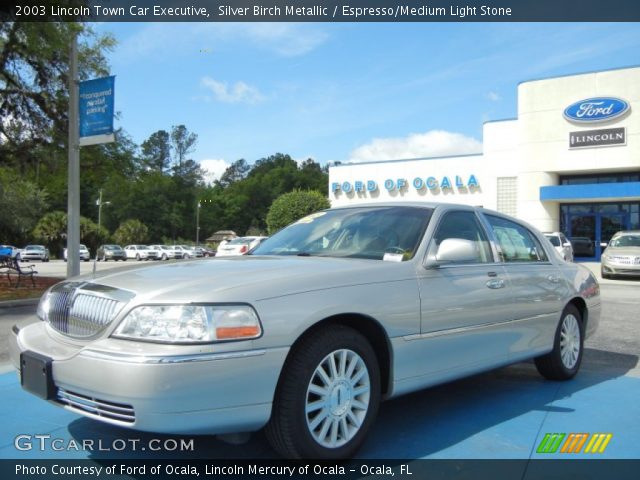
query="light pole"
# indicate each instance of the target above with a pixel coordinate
(99, 203)
(198, 224)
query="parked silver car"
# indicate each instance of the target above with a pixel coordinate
(622, 255)
(35, 252)
(307, 334)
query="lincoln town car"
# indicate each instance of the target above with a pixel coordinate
(307, 334)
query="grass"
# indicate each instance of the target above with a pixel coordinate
(26, 289)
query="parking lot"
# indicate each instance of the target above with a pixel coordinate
(504, 414)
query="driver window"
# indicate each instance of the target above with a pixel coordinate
(465, 226)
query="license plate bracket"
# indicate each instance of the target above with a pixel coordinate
(36, 375)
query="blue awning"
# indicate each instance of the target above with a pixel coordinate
(591, 191)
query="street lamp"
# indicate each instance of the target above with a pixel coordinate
(99, 203)
(198, 224)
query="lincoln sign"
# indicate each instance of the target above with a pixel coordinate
(597, 138)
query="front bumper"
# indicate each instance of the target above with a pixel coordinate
(621, 269)
(111, 381)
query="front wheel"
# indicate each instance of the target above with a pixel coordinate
(327, 397)
(563, 362)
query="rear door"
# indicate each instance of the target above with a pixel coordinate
(537, 285)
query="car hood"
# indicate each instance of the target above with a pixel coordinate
(248, 278)
(632, 251)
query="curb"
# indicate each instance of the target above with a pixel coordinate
(23, 302)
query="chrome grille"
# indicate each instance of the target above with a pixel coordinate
(102, 408)
(622, 260)
(83, 310)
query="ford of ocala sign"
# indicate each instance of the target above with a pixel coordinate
(593, 110)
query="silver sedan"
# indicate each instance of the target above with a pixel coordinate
(307, 334)
(622, 255)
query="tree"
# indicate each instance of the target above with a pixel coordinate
(34, 59)
(183, 143)
(52, 231)
(22, 203)
(156, 151)
(131, 231)
(234, 173)
(292, 206)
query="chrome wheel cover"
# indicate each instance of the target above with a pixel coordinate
(570, 341)
(337, 398)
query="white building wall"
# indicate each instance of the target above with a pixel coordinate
(534, 148)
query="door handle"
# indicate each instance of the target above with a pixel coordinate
(495, 283)
(553, 279)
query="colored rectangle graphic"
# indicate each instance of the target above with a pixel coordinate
(596, 443)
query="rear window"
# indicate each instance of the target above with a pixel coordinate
(555, 241)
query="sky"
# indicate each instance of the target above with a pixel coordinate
(343, 92)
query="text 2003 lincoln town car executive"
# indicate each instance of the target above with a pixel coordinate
(311, 330)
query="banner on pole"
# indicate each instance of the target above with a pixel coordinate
(96, 111)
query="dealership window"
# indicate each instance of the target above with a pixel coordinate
(600, 178)
(507, 201)
(517, 244)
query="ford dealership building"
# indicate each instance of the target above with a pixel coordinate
(570, 161)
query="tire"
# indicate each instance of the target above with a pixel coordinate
(343, 416)
(137, 256)
(563, 362)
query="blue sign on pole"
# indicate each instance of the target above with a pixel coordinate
(96, 111)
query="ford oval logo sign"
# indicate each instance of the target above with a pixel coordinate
(592, 110)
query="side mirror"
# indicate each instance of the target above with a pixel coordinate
(603, 244)
(453, 250)
(566, 244)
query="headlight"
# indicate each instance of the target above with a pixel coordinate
(190, 323)
(43, 306)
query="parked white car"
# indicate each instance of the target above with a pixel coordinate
(85, 255)
(141, 252)
(238, 246)
(166, 252)
(561, 244)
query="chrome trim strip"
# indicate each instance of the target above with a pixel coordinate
(454, 331)
(157, 360)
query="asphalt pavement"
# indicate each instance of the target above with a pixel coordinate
(503, 414)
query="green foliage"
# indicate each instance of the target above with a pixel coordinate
(22, 204)
(131, 231)
(51, 230)
(156, 151)
(34, 59)
(292, 206)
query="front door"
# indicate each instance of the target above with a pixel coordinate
(582, 234)
(464, 305)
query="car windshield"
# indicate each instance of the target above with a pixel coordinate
(626, 241)
(240, 241)
(112, 247)
(365, 232)
(555, 241)
(34, 247)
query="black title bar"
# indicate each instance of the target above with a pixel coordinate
(322, 11)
